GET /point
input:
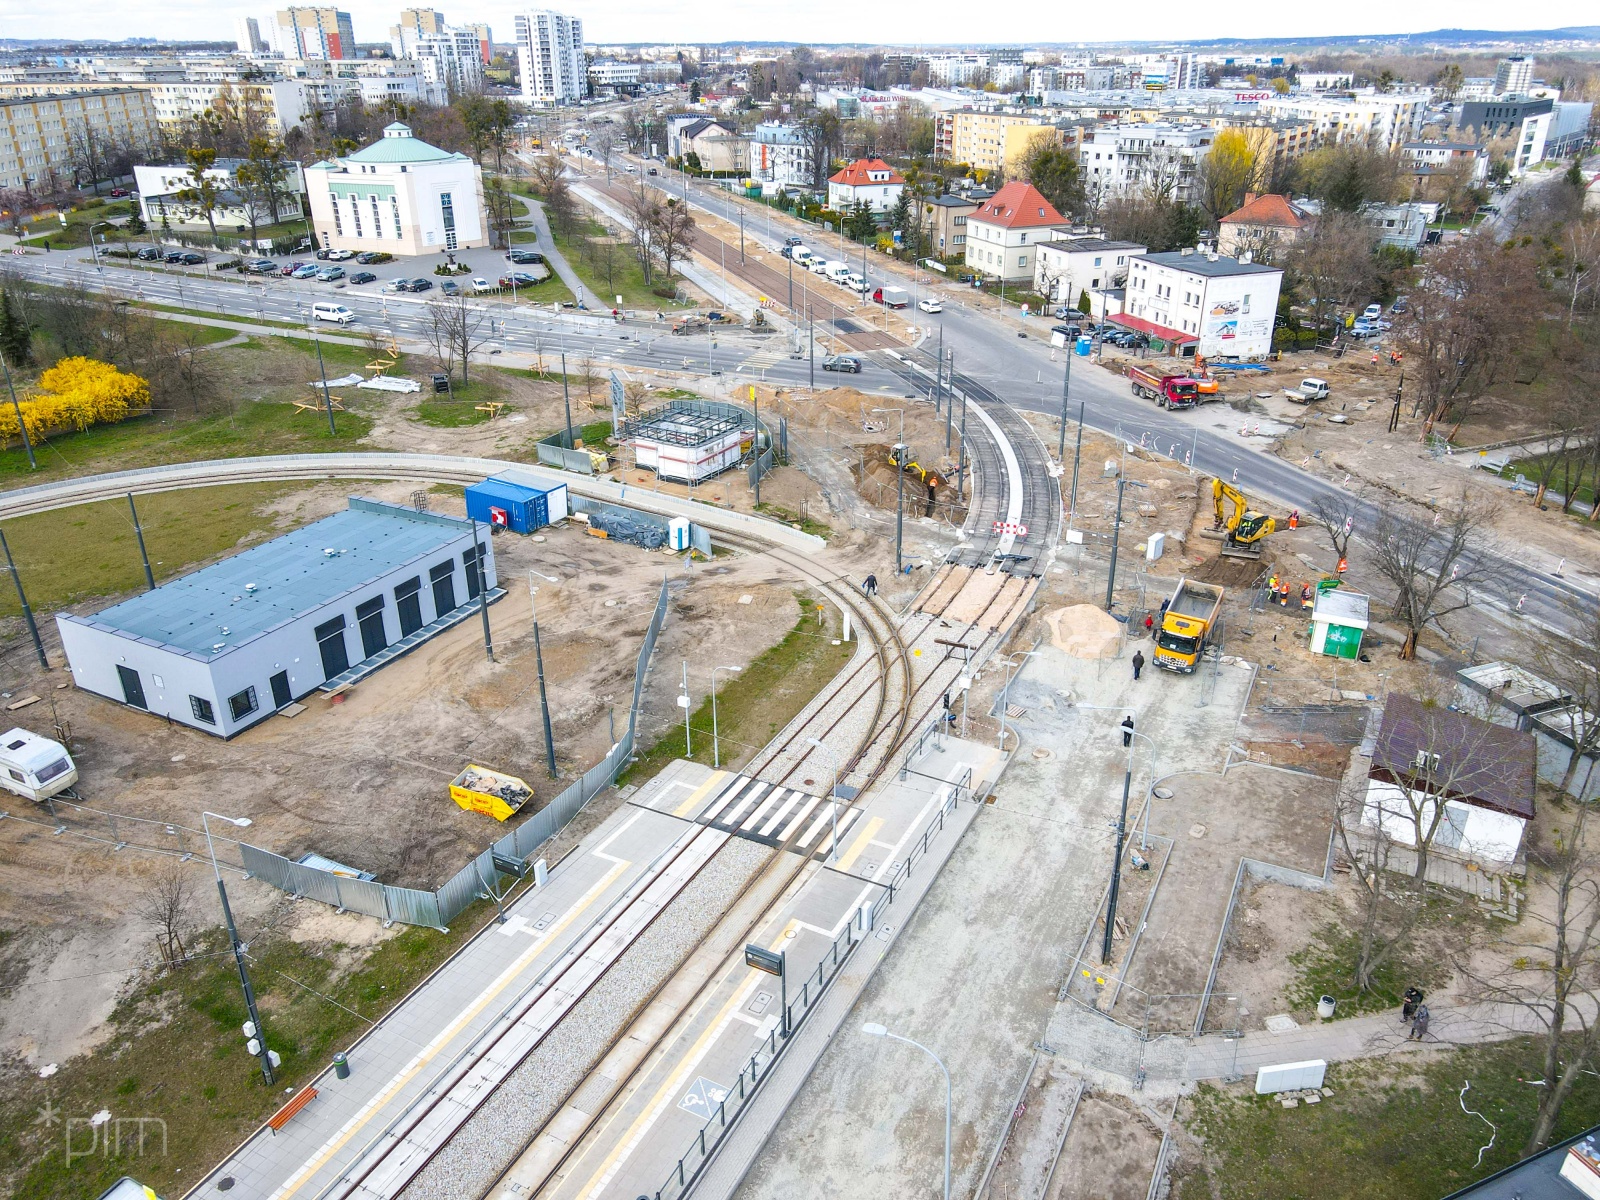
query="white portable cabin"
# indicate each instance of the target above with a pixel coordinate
(35, 766)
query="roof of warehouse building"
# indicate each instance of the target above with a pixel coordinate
(218, 608)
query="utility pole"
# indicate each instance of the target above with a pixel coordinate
(811, 329)
(566, 395)
(1116, 864)
(544, 704)
(1066, 386)
(138, 532)
(22, 597)
(1116, 536)
(950, 404)
(790, 261)
(756, 400)
(326, 397)
(741, 235)
(1077, 453)
(22, 426)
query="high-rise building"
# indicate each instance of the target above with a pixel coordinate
(485, 41)
(453, 58)
(1513, 76)
(313, 33)
(413, 23)
(550, 57)
(247, 32)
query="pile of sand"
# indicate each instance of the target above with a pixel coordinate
(1084, 631)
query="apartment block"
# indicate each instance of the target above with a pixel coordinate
(994, 141)
(313, 33)
(1379, 120)
(550, 57)
(38, 133)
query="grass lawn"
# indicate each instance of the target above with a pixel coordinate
(76, 232)
(339, 357)
(755, 703)
(523, 236)
(606, 266)
(1392, 1130)
(1322, 968)
(73, 554)
(461, 408)
(177, 1055)
(789, 517)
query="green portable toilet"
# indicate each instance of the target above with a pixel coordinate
(1338, 619)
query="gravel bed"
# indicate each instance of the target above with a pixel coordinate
(508, 1121)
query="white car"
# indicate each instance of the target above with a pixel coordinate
(930, 306)
(480, 284)
(340, 255)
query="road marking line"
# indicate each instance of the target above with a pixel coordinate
(860, 844)
(748, 797)
(777, 817)
(661, 792)
(663, 1097)
(751, 821)
(799, 818)
(432, 1049)
(600, 850)
(684, 809)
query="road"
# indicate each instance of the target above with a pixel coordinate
(998, 354)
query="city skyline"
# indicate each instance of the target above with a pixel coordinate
(657, 21)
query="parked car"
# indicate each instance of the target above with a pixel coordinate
(398, 284)
(118, 193)
(792, 241)
(420, 284)
(842, 362)
(930, 306)
(1066, 331)
(340, 255)
(519, 279)
(323, 253)
(1363, 329)
(149, 254)
(450, 287)
(652, 171)
(1372, 312)
(191, 258)
(305, 271)
(261, 266)
(480, 284)
(329, 274)
(363, 277)
(172, 256)
(1400, 305)
(525, 257)
(374, 256)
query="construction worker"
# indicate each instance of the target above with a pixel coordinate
(1305, 596)
(1283, 593)
(1272, 585)
(1294, 519)
(1344, 565)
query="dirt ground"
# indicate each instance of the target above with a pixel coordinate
(1109, 1152)
(363, 780)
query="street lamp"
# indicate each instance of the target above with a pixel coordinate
(899, 485)
(872, 1029)
(1116, 861)
(833, 795)
(94, 249)
(716, 759)
(1144, 832)
(260, 1037)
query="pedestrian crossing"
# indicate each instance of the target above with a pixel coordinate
(777, 816)
(761, 360)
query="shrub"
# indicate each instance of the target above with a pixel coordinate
(75, 394)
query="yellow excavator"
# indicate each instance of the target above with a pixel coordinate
(900, 456)
(1241, 528)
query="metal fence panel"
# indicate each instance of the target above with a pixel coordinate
(412, 906)
(289, 876)
(363, 896)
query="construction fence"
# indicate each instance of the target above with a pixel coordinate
(476, 880)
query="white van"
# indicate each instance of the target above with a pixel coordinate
(800, 256)
(838, 271)
(855, 281)
(819, 265)
(34, 766)
(332, 312)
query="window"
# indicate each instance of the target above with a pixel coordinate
(1022, 260)
(355, 214)
(1097, 260)
(377, 220)
(394, 211)
(202, 710)
(338, 225)
(242, 704)
(448, 212)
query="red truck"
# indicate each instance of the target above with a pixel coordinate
(1168, 391)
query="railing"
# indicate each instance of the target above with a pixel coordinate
(812, 987)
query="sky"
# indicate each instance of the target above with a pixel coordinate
(948, 21)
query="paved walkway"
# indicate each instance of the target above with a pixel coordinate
(535, 220)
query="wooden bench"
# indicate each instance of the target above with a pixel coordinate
(286, 1114)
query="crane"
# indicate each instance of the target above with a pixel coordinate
(1245, 529)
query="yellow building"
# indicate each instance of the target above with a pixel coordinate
(994, 141)
(1275, 142)
(47, 139)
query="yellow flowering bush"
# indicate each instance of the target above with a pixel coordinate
(75, 394)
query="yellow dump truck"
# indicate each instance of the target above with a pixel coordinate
(1187, 625)
(478, 789)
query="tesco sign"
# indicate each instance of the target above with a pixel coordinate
(1250, 97)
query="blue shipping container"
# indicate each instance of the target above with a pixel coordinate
(517, 508)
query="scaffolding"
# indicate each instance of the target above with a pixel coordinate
(686, 440)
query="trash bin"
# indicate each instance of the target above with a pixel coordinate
(1325, 1007)
(441, 383)
(341, 1066)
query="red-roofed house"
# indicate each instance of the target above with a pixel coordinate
(1263, 225)
(868, 179)
(1004, 233)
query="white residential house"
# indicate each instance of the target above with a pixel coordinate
(398, 195)
(1482, 774)
(867, 179)
(1144, 156)
(1223, 306)
(1005, 232)
(161, 208)
(1382, 120)
(1067, 267)
(782, 155)
(1424, 159)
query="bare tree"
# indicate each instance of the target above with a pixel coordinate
(1336, 511)
(166, 905)
(1332, 263)
(456, 331)
(643, 208)
(1554, 969)
(674, 233)
(1571, 662)
(1434, 567)
(549, 180)
(603, 141)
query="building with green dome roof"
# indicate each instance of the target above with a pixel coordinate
(399, 195)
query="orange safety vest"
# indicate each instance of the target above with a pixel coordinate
(1344, 565)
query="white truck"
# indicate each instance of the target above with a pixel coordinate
(892, 297)
(1309, 390)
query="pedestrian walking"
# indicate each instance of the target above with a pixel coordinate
(1412, 998)
(1149, 623)
(1138, 662)
(1127, 729)
(870, 585)
(1419, 1024)
(1164, 604)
